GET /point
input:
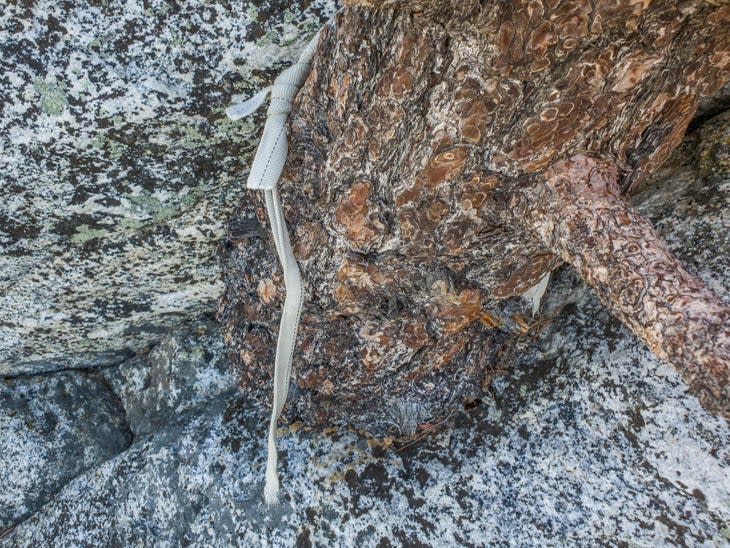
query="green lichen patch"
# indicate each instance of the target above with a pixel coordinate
(253, 13)
(147, 204)
(290, 15)
(114, 149)
(52, 97)
(85, 233)
(130, 224)
(192, 138)
(166, 213)
(235, 131)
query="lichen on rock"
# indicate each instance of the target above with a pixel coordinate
(119, 167)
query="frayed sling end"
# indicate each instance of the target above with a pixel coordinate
(271, 488)
(245, 108)
(271, 482)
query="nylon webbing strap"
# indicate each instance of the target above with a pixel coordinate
(265, 172)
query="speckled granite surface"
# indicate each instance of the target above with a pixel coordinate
(52, 428)
(186, 369)
(118, 168)
(589, 441)
(595, 444)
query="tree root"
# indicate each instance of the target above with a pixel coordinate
(578, 212)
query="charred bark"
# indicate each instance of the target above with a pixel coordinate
(429, 153)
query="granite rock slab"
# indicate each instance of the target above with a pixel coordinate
(118, 167)
(590, 442)
(187, 368)
(53, 428)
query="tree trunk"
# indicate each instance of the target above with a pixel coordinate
(443, 159)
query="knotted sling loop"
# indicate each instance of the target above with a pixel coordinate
(265, 172)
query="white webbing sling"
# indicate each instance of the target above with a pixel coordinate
(265, 172)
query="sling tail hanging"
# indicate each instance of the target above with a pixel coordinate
(265, 172)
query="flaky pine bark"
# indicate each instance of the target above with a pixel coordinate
(428, 155)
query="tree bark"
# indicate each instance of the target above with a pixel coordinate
(429, 153)
(577, 211)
